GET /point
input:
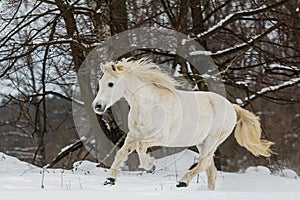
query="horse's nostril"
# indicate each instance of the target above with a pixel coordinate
(98, 107)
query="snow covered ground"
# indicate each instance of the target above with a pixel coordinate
(20, 180)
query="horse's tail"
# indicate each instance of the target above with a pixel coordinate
(248, 132)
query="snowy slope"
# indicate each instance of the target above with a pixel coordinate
(19, 180)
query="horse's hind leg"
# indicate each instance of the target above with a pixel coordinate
(204, 163)
(120, 158)
(211, 173)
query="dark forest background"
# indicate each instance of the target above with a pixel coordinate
(255, 44)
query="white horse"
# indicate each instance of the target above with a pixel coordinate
(161, 115)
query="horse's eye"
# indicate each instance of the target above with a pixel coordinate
(110, 84)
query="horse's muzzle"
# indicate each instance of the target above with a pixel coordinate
(100, 108)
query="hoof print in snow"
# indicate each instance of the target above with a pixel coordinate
(181, 184)
(110, 181)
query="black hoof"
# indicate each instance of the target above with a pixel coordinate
(152, 170)
(109, 181)
(181, 184)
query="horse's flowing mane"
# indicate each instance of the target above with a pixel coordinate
(144, 70)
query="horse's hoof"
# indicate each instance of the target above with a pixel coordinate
(152, 170)
(181, 184)
(109, 181)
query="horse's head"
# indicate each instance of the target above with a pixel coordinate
(111, 87)
(129, 75)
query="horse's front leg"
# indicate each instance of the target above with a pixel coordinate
(146, 161)
(120, 158)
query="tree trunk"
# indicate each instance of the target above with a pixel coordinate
(118, 16)
(197, 20)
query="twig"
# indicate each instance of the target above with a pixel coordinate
(43, 178)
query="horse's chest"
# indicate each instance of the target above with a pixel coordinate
(147, 122)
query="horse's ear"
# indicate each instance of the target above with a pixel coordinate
(120, 67)
(113, 67)
(117, 67)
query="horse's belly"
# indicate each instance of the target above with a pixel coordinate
(185, 140)
(190, 133)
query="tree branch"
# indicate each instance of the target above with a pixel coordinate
(230, 18)
(273, 88)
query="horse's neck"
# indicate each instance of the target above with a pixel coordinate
(139, 94)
